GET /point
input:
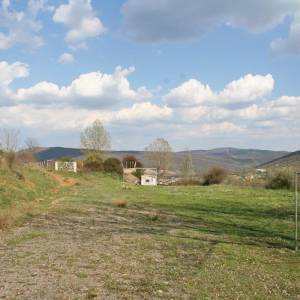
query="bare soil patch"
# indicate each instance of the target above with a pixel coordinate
(111, 254)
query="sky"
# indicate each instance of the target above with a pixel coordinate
(201, 74)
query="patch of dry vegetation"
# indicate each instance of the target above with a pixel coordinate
(25, 192)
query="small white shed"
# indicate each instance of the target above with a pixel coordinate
(149, 180)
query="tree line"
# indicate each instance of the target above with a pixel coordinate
(95, 143)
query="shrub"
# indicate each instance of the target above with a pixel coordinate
(113, 166)
(138, 173)
(25, 157)
(214, 176)
(281, 180)
(93, 163)
(10, 158)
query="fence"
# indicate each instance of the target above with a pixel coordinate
(53, 165)
(66, 166)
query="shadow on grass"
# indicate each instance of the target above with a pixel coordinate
(237, 225)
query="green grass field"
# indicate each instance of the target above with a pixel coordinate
(217, 242)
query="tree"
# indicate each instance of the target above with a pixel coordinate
(9, 139)
(95, 138)
(9, 144)
(187, 165)
(159, 154)
(31, 144)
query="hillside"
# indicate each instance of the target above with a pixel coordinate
(291, 160)
(23, 192)
(232, 159)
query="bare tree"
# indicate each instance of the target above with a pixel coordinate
(9, 144)
(9, 140)
(187, 168)
(95, 138)
(159, 154)
(31, 144)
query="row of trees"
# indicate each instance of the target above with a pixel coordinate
(95, 141)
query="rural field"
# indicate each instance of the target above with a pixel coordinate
(67, 237)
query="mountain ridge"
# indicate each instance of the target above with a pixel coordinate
(232, 159)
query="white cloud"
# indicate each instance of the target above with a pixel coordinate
(217, 128)
(79, 17)
(194, 93)
(55, 118)
(91, 90)
(144, 112)
(66, 58)
(10, 72)
(190, 93)
(21, 27)
(248, 88)
(175, 20)
(191, 110)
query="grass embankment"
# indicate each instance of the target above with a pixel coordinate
(216, 242)
(24, 192)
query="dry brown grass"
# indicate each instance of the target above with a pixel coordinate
(120, 203)
(66, 182)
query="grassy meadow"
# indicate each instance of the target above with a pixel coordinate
(175, 242)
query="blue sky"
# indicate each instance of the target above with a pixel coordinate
(200, 74)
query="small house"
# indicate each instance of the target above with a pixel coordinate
(149, 179)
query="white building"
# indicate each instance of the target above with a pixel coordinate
(149, 179)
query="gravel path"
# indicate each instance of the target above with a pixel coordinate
(116, 254)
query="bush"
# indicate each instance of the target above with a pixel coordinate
(93, 163)
(281, 180)
(214, 176)
(10, 158)
(113, 166)
(138, 173)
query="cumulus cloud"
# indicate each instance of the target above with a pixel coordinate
(21, 27)
(194, 93)
(175, 20)
(55, 118)
(90, 90)
(66, 58)
(248, 88)
(191, 109)
(10, 72)
(190, 93)
(80, 18)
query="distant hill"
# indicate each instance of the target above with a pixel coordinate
(232, 159)
(291, 160)
(57, 152)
